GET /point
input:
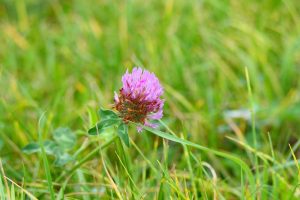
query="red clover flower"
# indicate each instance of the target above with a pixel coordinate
(139, 100)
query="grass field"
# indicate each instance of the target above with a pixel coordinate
(230, 70)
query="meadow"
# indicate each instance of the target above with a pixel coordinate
(230, 71)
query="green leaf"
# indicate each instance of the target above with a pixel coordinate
(123, 133)
(65, 138)
(63, 159)
(107, 114)
(31, 148)
(51, 147)
(103, 124)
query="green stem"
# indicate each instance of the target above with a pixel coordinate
(125, 162)
(87, 158)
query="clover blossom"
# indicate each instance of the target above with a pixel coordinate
(139, 100)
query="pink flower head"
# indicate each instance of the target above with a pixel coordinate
(139, 100)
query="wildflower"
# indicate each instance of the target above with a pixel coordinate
(139, 100)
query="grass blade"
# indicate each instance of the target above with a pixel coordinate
(44, 156)
(5, 182)
(2, 194)
(235, 159)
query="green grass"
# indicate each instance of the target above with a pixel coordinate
(66, 59)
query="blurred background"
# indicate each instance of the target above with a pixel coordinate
(67, 58)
